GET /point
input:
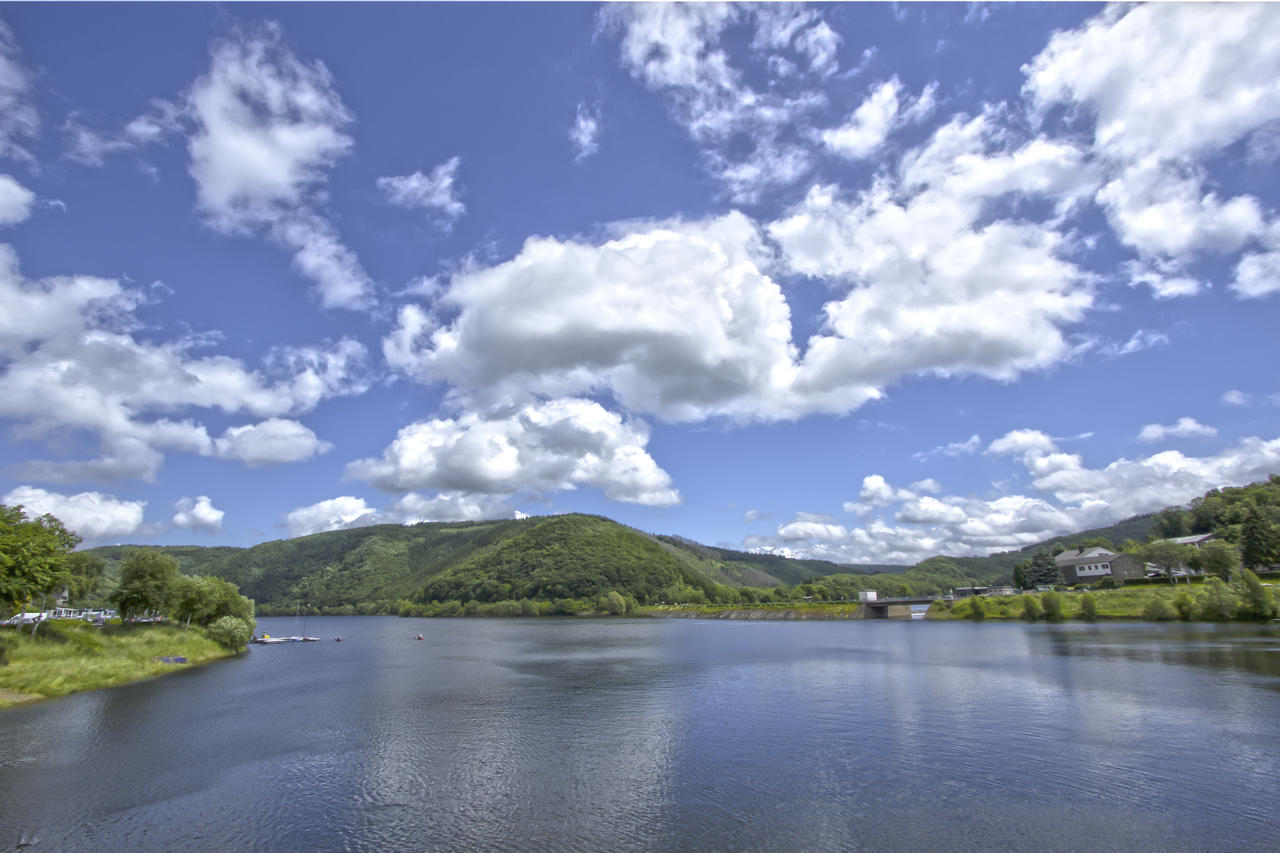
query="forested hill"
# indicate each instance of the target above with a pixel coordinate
(382, 567)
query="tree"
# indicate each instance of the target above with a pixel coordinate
(1043, 570)
(147, 579)
(1216, 557)
(1020, 574)
(1172, 523)
(84, 575)
(1031, 608)
(1088, 607)
(1259, 540)
(1167, 556)
(33, 556)
(1255, 600)
(1052, 604)
(231, 633)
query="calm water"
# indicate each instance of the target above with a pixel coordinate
(669, 734)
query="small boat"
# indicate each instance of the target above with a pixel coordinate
(268, 640)
(419, 637)
(337, 639)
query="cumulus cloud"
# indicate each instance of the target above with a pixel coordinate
(935, 284)
(72, 366)
(540, 447)
(267, 128)
(955, 448)
(333, 514)
(92, 515)
(436, 193)
(876, 491)
(272, 441)
(585, 133)
(808, 526)
(1184, 428)
(1167, 87)
(675, 319)
(1257, 275)
(15, 201)
(198, 515)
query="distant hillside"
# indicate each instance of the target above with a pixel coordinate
(379, 568)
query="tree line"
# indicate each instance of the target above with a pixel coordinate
(37, 563)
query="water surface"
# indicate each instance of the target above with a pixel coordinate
(668, 734)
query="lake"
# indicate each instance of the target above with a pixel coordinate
(652, 734)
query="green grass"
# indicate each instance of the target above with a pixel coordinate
(69, 657)
(1126, 602)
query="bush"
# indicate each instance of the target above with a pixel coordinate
(1157, 610)
(230, 632)
(1255, 600)
(1052, 604)
(1031, 608)
(1184, 604)
(1215, 603)
(1088, 607)
(976, 613)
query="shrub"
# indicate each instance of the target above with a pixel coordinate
(1157, 610)
(976, 613)
(230, 632)
(1184, 604)
(1215, 603)
(1088, 607)
(1255, 600)
(1031, 608)
(1052, 604)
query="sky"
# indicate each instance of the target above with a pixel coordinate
(863, 282)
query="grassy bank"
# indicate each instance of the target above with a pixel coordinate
(1198, 601)
(68, 657)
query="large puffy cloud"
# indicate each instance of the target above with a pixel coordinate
(268, 126)
(539, 447)
(92, 515)
(936, 286)
(271, 441)
(198, 515)
(677, 320)
(73, 367)
(1168, 85)
(345, 512)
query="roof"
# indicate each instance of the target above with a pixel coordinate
(1191, 540)
(1083, 555)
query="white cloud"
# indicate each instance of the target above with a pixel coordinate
(72, 367)
(930, 510)
(955, 448)
(1235, 398)
(92, 515)
(1021, 442)
(675, 319)
(1168, 86)
(674, 48)
(1184, 428)
(18, 116)
(334, 514)
(585, 133)
(446, 506)
(198, 515)
(877, 492)
(811, 526)
(927, 485)
(933, 286)
(1257, 275)
(268, 126)
(15, 201)
(869, 126)
(436, 192)
(270, 442)
(540, 447)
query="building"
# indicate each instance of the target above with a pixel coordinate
(1086, 565)
(1197, 540)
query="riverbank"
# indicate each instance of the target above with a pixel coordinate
(69, 657)
(790, 611)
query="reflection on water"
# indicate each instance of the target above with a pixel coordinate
(662, 735)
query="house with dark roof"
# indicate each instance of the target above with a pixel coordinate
(1086, 565)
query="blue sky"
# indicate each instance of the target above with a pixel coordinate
(861, 282)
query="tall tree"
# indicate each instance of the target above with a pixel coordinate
(1167, 556)
(147, 579)
(1043, 570)
(1259, 540)
(33, 556)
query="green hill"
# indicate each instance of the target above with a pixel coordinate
(383, 567)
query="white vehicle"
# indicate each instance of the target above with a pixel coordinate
(26, 618)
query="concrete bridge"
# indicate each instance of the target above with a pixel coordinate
(895, 608)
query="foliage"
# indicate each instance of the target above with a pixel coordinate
(1217, 557)
(1052, 604)
(1215, 603)
(976, 611)
(1043, 571)
(146, 580)
(230, 632)
(1184, 604)
(33, 556)
(1167, 556)
(1255, 600)
(1088, 607)
(1158, 610)
(1030, 608)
